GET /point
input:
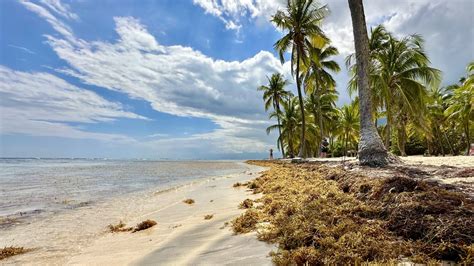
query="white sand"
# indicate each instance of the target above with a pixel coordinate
(182, 236)
(458, 161)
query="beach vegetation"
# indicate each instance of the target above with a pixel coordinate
(208, 216)
(301, 21)
(188, 201)
(7, 252)
(318, 214)
(144, 225)
(247, 203)
(246, 222)
(120, 227)
(399, 106)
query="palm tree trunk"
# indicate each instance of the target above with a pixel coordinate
(290, 146)
(388, 131)
(345, 144)
(468, 138)
(449, 143)
(277, 107)
(320, 119)
(371, 149)
(440, 141)
(302, 150)
(402, 140)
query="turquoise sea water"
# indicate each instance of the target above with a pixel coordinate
(42, 187)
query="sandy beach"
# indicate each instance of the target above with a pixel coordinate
(181, 237)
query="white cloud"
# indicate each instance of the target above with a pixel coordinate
(232, 11)
(177, 80)
(45, 14)
(41, 104)
(24, 49)
(60, 8)
(182, 81)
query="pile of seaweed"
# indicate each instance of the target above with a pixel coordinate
(11, 251)
(327, 215)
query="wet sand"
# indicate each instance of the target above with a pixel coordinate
(181, 237)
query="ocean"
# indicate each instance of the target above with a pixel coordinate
(36, 188)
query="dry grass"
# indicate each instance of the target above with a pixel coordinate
(144, 225)
(120, 227)
(208, 216)
(12, 251)
(189, 201)
(247, 203)
(326, 215)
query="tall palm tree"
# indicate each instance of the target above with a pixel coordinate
(371, 149)
(349, 123)
(274, 94)
(461, 106)
(290, 124)
(318, 79)
(302, 20)
(399, 76)
(438, 101)
(323, 109)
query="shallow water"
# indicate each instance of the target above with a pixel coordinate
(42, 187)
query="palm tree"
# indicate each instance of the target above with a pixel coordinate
(349, 123)
(437, 103)
(399, 76)
(273, 95)
(371, 149)
(290, 124)
(461, 106)
(318, 80)
(323, 109)
(302, 20)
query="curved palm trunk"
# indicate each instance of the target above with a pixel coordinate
(371, 149)
(277, 107)
(302, 150)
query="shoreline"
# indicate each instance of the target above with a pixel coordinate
(70, 237)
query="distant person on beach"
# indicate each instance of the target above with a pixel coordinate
(271, 154)
(324, 148)
(471, 151)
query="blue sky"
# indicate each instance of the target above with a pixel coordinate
(171, 79)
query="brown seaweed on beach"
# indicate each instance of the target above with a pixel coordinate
(12, 251)
(208, 216)
(144, 225)
(247, 203)
(246, 222)
(189, 201)
(120, 227)
(238, 184)
(327, 215)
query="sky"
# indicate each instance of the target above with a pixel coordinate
(174, 79)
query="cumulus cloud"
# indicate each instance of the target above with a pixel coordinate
(177, 80)
(232, 11)
(41, 104)
(182, 81)
(446, 25)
